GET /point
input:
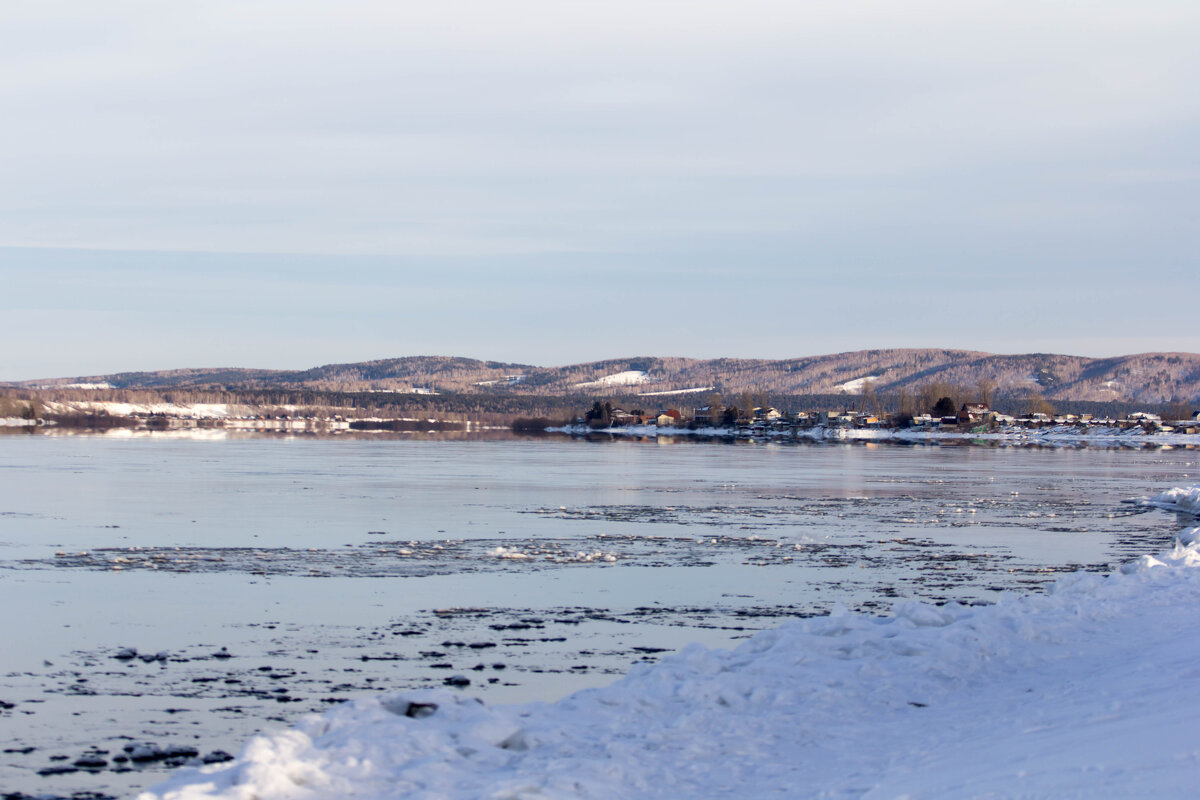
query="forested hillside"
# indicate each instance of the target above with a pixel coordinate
(1144, 378)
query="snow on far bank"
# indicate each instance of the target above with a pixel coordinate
(1081, 692)
(696, 390)
(856, 386)
(506, 380)
(628, 378)
(193, 410)
(192, 434)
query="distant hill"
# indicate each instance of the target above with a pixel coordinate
(1143, 378)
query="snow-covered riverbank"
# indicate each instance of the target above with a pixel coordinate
(1081, 692)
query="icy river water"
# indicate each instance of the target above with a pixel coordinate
(164, 599)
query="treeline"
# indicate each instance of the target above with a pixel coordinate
(20, 405)
(485, 409)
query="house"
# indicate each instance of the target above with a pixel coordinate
(973, 412)
(669, 418)
(707, 416)
(621, 417)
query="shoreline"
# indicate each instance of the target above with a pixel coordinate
(1055, 435)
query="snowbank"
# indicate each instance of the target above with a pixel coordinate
(668, 392)
(1081, 692)
(630, 377)
(857, 385)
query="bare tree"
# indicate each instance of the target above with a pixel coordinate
(985, 389)
(1035, 403)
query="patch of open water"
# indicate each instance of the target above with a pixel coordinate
(169, 598)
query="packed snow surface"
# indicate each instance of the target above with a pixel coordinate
(628, 378)
(1082, 692)
(856, 386)
(694, 390)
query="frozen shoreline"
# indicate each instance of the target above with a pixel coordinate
(1055, 435)
(1080, 692)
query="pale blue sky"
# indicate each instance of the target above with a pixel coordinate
(284, 184)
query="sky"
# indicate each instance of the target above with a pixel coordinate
(287, 184)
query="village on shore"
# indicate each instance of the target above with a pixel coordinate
(716, 420)
(974, 419)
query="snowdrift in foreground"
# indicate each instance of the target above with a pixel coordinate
(1085, 691)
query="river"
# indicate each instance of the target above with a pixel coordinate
(259, 578)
